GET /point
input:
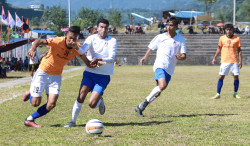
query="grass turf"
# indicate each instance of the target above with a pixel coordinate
(183, 114)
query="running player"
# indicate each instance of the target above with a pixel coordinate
(168, 46)
(96, 80)
(48, 75)
(230, 47)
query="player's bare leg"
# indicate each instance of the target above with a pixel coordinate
(96, 100)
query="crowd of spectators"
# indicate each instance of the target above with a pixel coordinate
(129, 29)
(13, 64)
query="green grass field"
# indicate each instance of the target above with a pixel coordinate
(183, 115)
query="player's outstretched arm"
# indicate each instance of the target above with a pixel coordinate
(98, 62)
(37, 42)
(149, 51)
(87, 62)
(216, 54)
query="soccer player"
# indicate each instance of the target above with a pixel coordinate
(170, 47)
(48, 75)
(95, 80)
(229, 47)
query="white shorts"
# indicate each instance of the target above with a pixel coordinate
(41, 81)
(233, 67)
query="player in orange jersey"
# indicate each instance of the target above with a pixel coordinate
(48, 76)
(230, 48)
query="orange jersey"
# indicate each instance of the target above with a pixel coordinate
(57, 57)
(229, 48)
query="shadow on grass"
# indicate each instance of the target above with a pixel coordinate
(123, 124)
(12, 77)
(136, 123)
(202, 115)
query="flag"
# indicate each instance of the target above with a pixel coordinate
(19, 22)
(25, 26)
(4, 18)
(11, 21)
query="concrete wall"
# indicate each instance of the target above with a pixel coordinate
(200, 49)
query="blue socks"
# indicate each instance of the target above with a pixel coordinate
(40, 112)
(30, 98)
(219, 85)
(236, 85)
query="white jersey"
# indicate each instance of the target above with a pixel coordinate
(100, 48)
(167, 48)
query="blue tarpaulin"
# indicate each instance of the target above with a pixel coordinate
(186, 14)
(141, 17)
(44, 31)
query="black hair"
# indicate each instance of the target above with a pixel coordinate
(75, 29)
(229, 26)
(174, 20)
(102, 20)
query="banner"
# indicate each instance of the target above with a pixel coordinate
(4, 18)
(11, 21)
(19, 22)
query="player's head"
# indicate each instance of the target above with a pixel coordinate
(102, 28)
(173, 20)
(229, 28)
(72, 34)
(172, 24)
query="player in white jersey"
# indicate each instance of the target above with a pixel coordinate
(101, 50)
(170, 47)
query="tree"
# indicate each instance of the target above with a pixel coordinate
(243, 12)
(220, 16)
(34, 21)
(54, 18)
(114, 17)
(4, 35)
(206, 2)
(88, 17)
(42, 7)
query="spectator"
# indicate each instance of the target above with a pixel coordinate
(190, 30)
(247, 31)
(182, 23)
(131, 29)
(126, 29)
(115, 31)
(221, 30)
(26, 63)
(4, 67)
(179, 30)
(20, 65)
(161, 27)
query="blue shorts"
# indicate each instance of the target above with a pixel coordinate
(95, 82)
(161, 73)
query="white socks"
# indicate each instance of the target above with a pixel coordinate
(99, 102)
(76, 110)
(30, 118)
(151, 97)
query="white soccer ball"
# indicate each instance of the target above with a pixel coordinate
(94, 126)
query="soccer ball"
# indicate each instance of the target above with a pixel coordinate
(94, 126)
